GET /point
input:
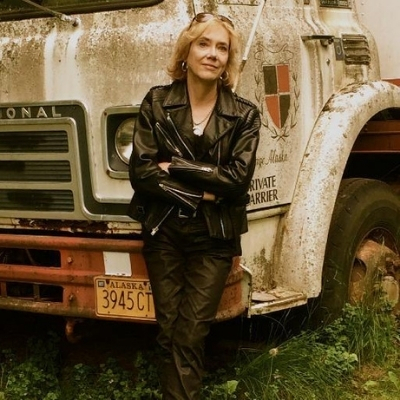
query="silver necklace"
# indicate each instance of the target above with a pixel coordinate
(197, 129)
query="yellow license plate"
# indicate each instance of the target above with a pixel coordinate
(123, 297)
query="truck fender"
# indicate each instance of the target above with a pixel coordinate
(306, 225)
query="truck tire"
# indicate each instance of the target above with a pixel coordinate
(362, 247)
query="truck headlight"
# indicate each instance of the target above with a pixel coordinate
(117, 125)
(123, 139)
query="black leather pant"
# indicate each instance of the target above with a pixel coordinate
(187, 271)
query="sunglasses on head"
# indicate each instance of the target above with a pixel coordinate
(204, 17)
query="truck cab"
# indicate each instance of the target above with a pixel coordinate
(324, 207)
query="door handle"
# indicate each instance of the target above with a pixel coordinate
(325, 40)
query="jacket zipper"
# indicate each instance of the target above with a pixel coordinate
(157, 227)
(168, 140)
(221, 222)
(191, 167)
(222, 227)
(169, 119)
(176, 192)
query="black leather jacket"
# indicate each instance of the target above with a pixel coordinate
(222, 164)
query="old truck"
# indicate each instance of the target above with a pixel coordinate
(324, 212)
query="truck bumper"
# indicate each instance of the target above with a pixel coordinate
(67, 287)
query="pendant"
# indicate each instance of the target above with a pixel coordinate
(197, 131)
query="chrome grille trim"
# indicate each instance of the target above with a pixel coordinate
(38, 169)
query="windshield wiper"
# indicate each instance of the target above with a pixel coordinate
(62, 17)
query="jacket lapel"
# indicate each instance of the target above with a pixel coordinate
(176, 104)
(222, 120)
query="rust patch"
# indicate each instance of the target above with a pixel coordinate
(263, 264)
(376, 266)
(70, 226)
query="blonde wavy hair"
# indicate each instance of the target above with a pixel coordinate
(192, 32)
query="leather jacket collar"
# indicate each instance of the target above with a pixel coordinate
(222, 120)
(178, 97)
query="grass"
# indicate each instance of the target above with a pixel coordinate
(354, 358)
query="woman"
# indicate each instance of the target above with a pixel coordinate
(194, 153)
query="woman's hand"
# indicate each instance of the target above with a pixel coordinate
(164, 166)
(209, 196)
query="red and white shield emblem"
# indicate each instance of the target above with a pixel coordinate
(277, 92)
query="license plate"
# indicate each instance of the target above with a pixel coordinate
(123, 297)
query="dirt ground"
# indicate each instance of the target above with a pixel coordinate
(98, 341)
(101, 340)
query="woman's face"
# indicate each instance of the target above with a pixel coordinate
(209, 54)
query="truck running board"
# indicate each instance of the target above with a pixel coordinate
(264, 302)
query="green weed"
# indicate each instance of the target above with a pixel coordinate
(354, 358)
(35, 378)
(322, 363)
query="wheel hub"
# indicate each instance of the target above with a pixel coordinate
(376, 269)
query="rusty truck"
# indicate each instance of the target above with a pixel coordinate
(324, 211)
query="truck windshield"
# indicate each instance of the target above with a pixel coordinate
(18, 9)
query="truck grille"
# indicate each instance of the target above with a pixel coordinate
(35, 169)
(45, 171)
